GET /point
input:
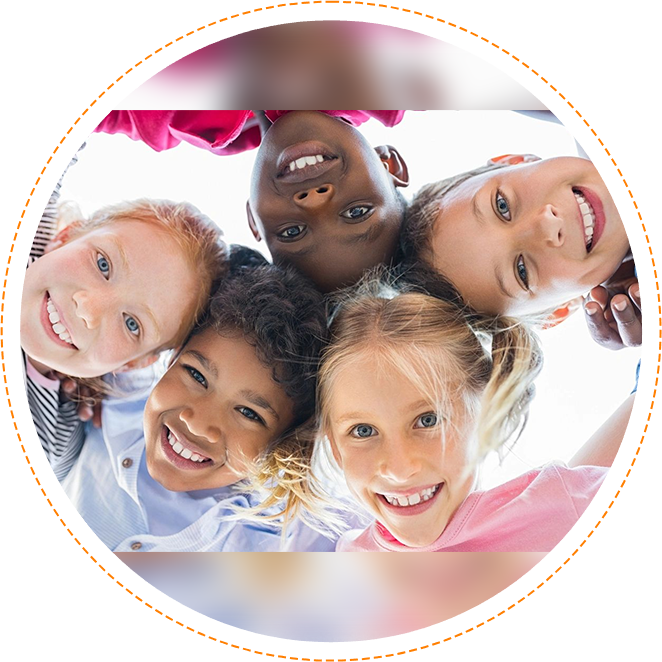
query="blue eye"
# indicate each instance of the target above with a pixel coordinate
(363, 431)
(502, 206)
(248, 413)
(357, 213)
(195, 374)
(292, 232)
(132, 325)
(522, 273)
(103, 265)
(428, 420)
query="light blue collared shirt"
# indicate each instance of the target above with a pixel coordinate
(130, 511)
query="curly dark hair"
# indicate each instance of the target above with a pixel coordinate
(281, 314)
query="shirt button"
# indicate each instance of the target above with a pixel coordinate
(127, 462)
(135, 546)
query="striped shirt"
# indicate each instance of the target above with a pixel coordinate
(60, 430)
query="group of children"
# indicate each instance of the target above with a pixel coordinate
(389, 340)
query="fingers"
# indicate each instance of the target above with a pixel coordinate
(628, 320)
(599, 327)
(634, 295)
(600, 295)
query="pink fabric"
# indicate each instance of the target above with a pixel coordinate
(221, 132)
(531, 513)
(38, 378)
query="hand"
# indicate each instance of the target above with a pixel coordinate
(88, 400)
(613, 314)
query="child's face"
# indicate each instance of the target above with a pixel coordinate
(335, 215)
(387, 439)
(105, 298)
(527, 238)
(212, 413)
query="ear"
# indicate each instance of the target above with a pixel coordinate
(394, 163)
(136, 364)
(251, 223)
(514, 159)
(562, 313)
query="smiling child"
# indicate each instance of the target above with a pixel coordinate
(518, 239)
(108, 294)
(411, 402)
(226, 413)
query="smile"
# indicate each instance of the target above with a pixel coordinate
(180, 452)
(405, 501)
(53, 323)
(588, 218)
(304, 161)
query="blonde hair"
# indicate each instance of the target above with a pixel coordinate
(440, 347)
(198, 237)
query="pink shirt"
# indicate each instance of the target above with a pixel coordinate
(218, 131)
(531, 513)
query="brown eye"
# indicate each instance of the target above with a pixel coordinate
(357, 213)
(292, 232)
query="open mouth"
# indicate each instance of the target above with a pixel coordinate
(412, 503)
(54, 324)
(304, 161)
(181, 452)
(592, 216)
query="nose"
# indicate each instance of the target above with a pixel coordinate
(200, 424)
(314, 197)
(399, 461)
(550, 227)
(90, 308)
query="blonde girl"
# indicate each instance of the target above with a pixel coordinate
(414, 392)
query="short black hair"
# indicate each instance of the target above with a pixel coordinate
(281, 314)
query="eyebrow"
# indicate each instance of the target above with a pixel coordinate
(259, 401)
(303, 251)
(478, 212)
(368, 236)
(204, 361)
(122, 253)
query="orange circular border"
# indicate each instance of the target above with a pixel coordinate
(44, 596)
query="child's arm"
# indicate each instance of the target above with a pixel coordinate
(600, 450)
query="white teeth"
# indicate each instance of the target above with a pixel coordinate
(183, 452)
(58, 328)
(588, 218)
(412, 499)
(305, 161)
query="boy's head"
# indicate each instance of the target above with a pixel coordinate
(324, 200)
(242, 382)
(114, 290)
(518, 239)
